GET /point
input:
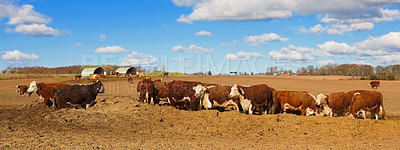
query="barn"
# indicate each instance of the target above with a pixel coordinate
(127, 70)
(94, 70)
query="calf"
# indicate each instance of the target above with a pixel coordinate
(78, 77)
(159, 80)
(374, 84)
(83, 95)
(44, 90)
(215, 97)
(22, 89)
(297, 100)
(367, 101)
(252, 97)
(333, 103)
(146, 91)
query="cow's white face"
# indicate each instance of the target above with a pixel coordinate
(199, 91)
(235, 93)
(320, 99)
(32, 87)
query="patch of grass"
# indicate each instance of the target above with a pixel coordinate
(33, 76)
(160, 74)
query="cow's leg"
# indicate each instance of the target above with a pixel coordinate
(363, 113)
(251, 109)
(331, 114)
(303, 111)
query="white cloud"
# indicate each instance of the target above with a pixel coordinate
(102, 37)
(203, 33)
(139, 59)
(191, 49)
(184, 19)
(325, 62)
(389, 42)
(17, 57)
(291, 54)
(175, 59)
(263, 39)
(361, 62)
(36, 30)
(111, 49)
(242, 55)
(228, 44)
(75, 44)
(338, 29)
(332, 11)
(388, 59)
(337, 48)
(26, 15)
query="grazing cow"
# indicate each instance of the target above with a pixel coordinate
(374, 84)
(333, 103)
(161, 91)
(22, 89)
(297, 100)
(182, 92)
(252, 97)
(78, 77)
(130, 80)
(215, 97)
(146, 91)
(44, 90)
(367, 101)
(81, 95)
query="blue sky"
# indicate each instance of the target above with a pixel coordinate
(199, 35)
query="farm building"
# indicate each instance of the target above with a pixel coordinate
(88, 71)
(126, 70)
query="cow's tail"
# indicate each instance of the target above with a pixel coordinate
(54, 99)
(276, 107)
(381, 109)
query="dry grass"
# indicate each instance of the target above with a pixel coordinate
(33, 76)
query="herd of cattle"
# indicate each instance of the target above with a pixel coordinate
(260, 99)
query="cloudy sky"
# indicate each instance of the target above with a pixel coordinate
(199, 35)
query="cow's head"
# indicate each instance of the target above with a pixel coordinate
(100, 87)
(235, 92)
(33, 87)
(199, 91)
(321, 99)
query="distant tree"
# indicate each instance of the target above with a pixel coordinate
(163, 68)
(209, 73)
(252, 73)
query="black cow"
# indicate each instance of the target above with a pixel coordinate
(83, 95)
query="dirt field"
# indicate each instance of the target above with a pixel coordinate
(118, 121)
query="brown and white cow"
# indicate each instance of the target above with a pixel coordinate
(158, 80)
(78, 77)
(215, 97)
(374, 84)
(130, 80)
(45, 90)
(297, 100)
(364, 100)
(161, 91)
(252, 97)
(22, 89)
(333, 103)
(146, 91)
(182, 92)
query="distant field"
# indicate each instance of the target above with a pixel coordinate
(34, 76)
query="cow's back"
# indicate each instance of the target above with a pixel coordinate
(219, 93)
(162, 89)
(337, 101)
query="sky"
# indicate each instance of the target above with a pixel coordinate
(190, 36)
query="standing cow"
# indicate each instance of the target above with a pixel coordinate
(252, 97)
(161, 91)
(333, 103)
(45, 90)
(297, 100)
(364, 100)
(82, 95)
(216, 97)
(374, 84)
(146, 91)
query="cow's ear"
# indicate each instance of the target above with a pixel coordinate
(38, 87)
(206, 91)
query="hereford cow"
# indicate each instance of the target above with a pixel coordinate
(81, 95)
(367, 101)
(252, 97)
(159, 80)
(215, 97)
(44, 90)
(130, 80)
(182, 92)
(22, 89)
(374, 84)
(146, 91)
(161, 91)
(78, 77)
(297, 100)
(333, 103)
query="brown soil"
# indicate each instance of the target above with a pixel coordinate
(118, 121)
